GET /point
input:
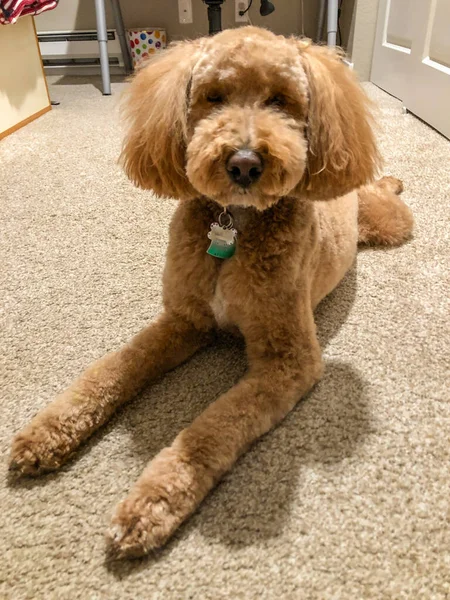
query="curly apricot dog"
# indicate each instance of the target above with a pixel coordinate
(265, 152)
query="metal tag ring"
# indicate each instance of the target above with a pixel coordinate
(222, 215)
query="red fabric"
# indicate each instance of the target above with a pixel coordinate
(11, 10)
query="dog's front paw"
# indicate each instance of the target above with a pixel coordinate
(36, 449)
(141, 525)
(168, 491)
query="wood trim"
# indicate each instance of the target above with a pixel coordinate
(42, 64)
(25, 122)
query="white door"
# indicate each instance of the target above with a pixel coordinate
(411, 58)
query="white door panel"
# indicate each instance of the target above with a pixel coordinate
(391, 58)
(411, 57)
(428, 92)
(399, 23)
(440, 35)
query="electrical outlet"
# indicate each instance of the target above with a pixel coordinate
(185, 11)
(240, 5)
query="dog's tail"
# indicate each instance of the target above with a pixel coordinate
(383, 218)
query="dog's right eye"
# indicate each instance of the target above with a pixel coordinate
(214, 98)
(278, 100)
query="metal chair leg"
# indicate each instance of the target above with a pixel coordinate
(102, 36)
(332, 22)
(121, 33)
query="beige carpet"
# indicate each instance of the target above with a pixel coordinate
(348, 499)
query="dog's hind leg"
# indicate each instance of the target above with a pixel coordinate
(383, 218)
(51, 437)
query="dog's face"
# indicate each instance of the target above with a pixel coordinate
(247, 117)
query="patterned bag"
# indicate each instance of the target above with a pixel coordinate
(145, 42)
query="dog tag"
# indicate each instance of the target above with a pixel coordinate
(223, 237)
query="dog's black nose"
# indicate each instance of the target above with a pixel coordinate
(244, 167)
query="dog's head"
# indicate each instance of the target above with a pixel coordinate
(247, 117)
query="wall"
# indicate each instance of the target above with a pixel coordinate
(286, 19)
(80, 14)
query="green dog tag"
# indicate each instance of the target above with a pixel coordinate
(223, 241)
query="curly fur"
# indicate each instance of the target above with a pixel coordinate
(301, 109)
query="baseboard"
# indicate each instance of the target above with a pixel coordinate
(80, 71)
(24, 122)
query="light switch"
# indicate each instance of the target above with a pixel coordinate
(185, 11)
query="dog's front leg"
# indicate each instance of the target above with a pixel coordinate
(49, 439)
(178, 478)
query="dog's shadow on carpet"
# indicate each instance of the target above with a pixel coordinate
(255, 499)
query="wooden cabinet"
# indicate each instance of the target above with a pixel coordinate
(23, 88)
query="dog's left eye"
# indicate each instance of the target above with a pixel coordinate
(278, 100)
(214, 98)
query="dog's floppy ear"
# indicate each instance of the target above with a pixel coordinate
(154, 107)
(342, 153)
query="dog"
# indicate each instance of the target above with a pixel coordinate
(273, 158)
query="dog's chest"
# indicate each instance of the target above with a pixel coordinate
(220, 308)
(226, 301)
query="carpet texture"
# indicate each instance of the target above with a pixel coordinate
(349, 498)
